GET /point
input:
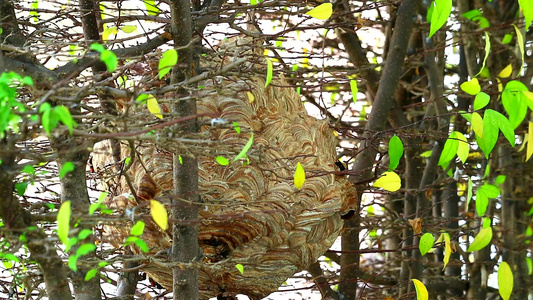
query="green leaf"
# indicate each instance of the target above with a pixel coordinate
(72, 262)
(269, 72)
(137, 229)
(481, 240)
(168, 60)
(471, 87)
(421, 290)
(110, 60)
(67, 167)
(487, 51)
(450, 149)
(441, 12)
(389, 181)
(500, 179)
(469, 193)
(514, 105)
(505, 280)
(49, 119)
(485, 192)
(490, 133)
(503, 124)
(85, 249)
(482, 202)
(426, 243)
(466, 115)
(85, 233)
(33, 10)
(142, 245)
(151, 8)
(237, 127)
(299, 176)
(70, 243)
(63, 222)
(527, 9)
(395, 152)
(354, 89)
(472, 14)
(240, 268)
(28, 169)
(221, 160)
(90, 274)
(481, 100)
(65, 117)
(142, 98)
(244, 150)
(486, 222)
(507, 38)
(20, 187)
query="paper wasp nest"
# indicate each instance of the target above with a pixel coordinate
(251, 214)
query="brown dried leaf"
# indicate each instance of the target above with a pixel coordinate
(416, 223)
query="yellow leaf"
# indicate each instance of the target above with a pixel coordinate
(505, 280)
(299, 176)
(251, 97)
(421, 291)
(389, 181)
(159, 214)
(321, 12)
(500, 85)
(461, 188)
(528, 94)
(128, 28)
(109, 31)
(520, 42)
(477, 124)
(464, 148)
(506, 72)
(447, 249)
(529, 150)
(153, 106)
(471, 87)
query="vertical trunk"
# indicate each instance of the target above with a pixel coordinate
(512, 217)
(380, 110)
(185, 246)
(17, 219)
(74, 189)
(451, 212)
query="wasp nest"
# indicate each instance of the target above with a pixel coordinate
(252, 214)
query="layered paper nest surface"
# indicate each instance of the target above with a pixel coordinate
(251, 212)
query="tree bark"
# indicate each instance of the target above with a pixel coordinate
(17, 220)
(377, 120)
(185, 246)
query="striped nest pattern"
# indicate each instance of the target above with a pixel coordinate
(252, 213)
